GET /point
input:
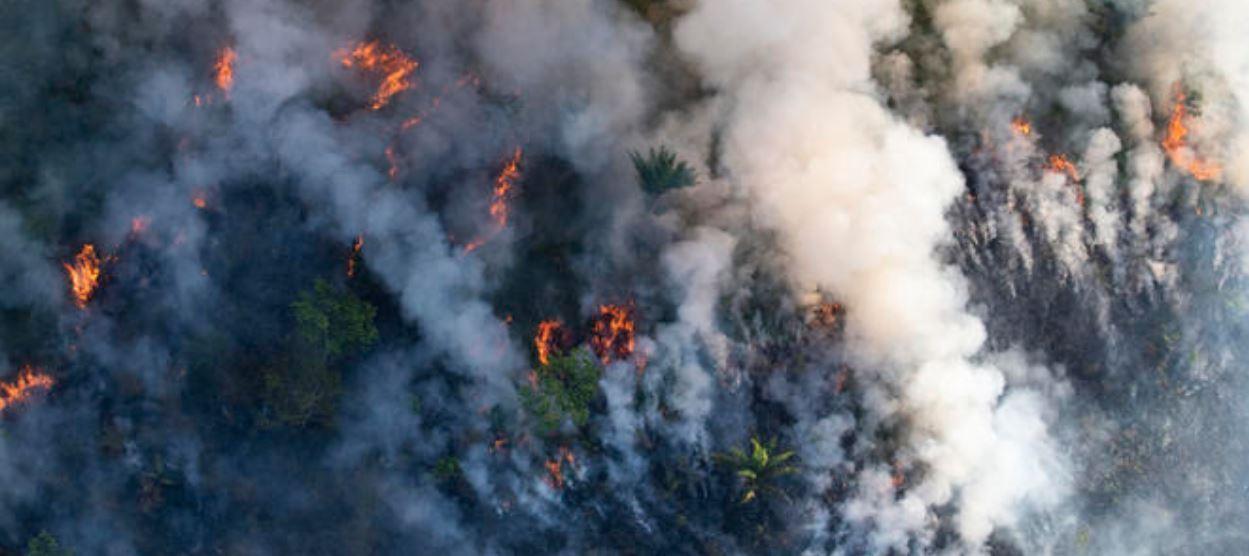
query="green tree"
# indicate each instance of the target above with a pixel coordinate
(45, 544)
(659, 170)
(562, 389)
(760, 469)
(302, 385)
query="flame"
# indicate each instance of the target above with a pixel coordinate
(393, 161)
(21, 389)
(555, 473)
(826, 315)
(352, 259)
(1021, 126)
(411, 122)
(84, 275)
(139, 225)
(395, 67)
(612, 333)
(223, 69)
(200, 202)
(1177, 148)
(503, 185)
(544, 342)
(1059, 163)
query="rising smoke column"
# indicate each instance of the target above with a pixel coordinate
(859, 198)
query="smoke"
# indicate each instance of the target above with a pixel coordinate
(859, 277)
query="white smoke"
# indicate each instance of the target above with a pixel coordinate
(860, 199)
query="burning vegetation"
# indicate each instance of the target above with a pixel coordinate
(1177, 148)
(394, 69)
(612, 332)
(27, 383)
(84, 275)
(223, 69)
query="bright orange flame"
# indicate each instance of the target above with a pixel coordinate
(21, 389)
(352, 259)
(395, 67)
(1021, 126)
(1060, 164)
(613, 333)
(200, 202)
(1177, 148)
(503, 185)
(223, 69)
(544, 342)
(84, 275)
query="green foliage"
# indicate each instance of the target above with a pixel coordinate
(336, 323)
(447, 468)
(660, 171)
(302, 386)
(759, 469)
(563, 389)
(46, 545)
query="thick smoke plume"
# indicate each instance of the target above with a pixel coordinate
(624, 276)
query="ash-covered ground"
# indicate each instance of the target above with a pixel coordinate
(624, 277)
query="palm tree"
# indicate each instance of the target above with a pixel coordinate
(760, 469)
(659, 170)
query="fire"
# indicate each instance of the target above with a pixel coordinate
(223, 69)
(555, 467)
(138, 225)
(1021, 126)
(503, 185)
(393, 160)
(21, 389)
(410, 123)
(1177, 148)
(546, 341)
(395, 67)
(826, 315)
(555, 473)
(200, 202)
(1060, 164)
(613, 333)
(353, 258)
(84, 275)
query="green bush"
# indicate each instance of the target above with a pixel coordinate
(46, 545)
(562, 389)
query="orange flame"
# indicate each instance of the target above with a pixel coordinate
(84, 275)
(613, 333)
(826, 315)
(544, 342)
(503, 185)
(1177, 148)
(1060, 164)
(352, 259)
(23, 387)
(1021, 126)
(223, 69)
(395, 67)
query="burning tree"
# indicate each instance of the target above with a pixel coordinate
(562, 389)
(660, 170)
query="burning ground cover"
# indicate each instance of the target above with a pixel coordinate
(645, 276)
